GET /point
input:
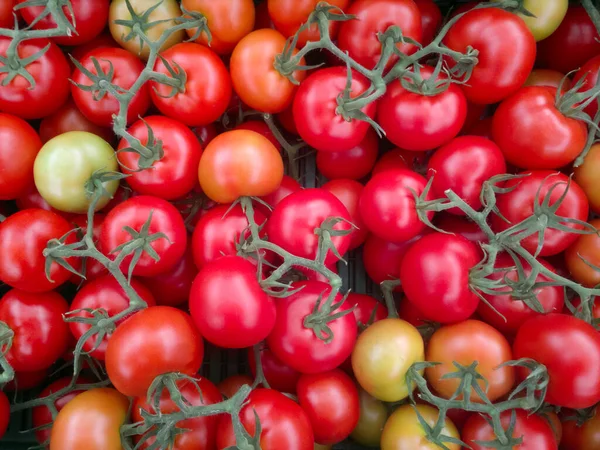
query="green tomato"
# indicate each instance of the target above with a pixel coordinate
(548, 16)
(65, 164)
(373, 416)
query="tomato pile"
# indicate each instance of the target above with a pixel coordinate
(183, 178)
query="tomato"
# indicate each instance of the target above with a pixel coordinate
(172, 288)
(547, 16)
(403, 430)
(7, 19)
(32, 199)
(506, 52)
(288, 186)
(145, 334)
(464, 343)
(69, 118)
(103, 40)
(230, 385)
(260, 127)
(330, 400)
(431, 20)
(536, 433)
(517, 205)
(205, 133)
(283, 422)
(372, 418)
(254, 77)
(239, 163)
(65, 164)
(41, 336)
(400, 159)
(364, 306)
(349, 192)
(573, 43)
(421, 121)
(22, 265)
(229, 21)
(463, 165)
(585, 437)
(409, 312)
(589, 72)
(4, 413)
(200, 432)
(50, 73)
(279, 375)
(481, 128)
(91, 420)
(286, 119)
(353, 164)
(293, 222)
(570, 350)
(24, 381)
(586, 246)
(462, 226)
(547, 77)
(585, 177)
(88, 19)
(162, 17)
(316, 110)
(360, 37)
(19, 145)
(382, 259)
(134, 213)
(297, 345)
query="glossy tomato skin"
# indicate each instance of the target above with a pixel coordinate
(69, 118)
(19, 145)
(348, 192)
(41, 336)
(586, 246)
(23, 266)
(330, 400)
(6, 14)
(589, 72)
(284, 423)
(353, 164)
(435, 277)
(586, 178)
(91, 421)
(463, 165)
(401, 159)
(288, 186)
(550, 78)
(135, 213)
(230, 385)
(431, 19)
(574, 375)
(315, 103)
(365, 304)
(382, 259)
(260, 127)
(27, 380)
(359, 37)
(144, 334)
(172, 288)
(279, 375)
(517, 205)
(50, 72)
(4, 413)
(462, 226)
(298, 346)
(503, 63)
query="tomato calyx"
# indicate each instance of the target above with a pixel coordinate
(6, 338)
(581, 416)
(321, 316)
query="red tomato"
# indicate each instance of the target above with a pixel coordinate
(463, 165)
(353, 164)
(103, 40)
(263, 20)
(382, 258)
(517, 205)
(230, 385)
(24, 381)
(298, 346)
(286, 119)
(207, 90)
(435, 277)
(126, 68)
(360, 37)
(228, 304)
(32, 199)
(69, 118)
(315, 110)
(4, 412)
(293, 222)
(462, 226)
(570, 350)
(51, 74)
(431, 19)
(260, 127)
(387, 205)
(401, 159)
(172, 288)
(22, 265)
(283, 422)
(19, 145)
(205, 133)
(279, 375)
(589, 72)
(41, 335)
(134, 213)
(176, 173)
(364, 305)
(584, 437)
(506, 52)
(152, 342)
(349, 192)
(7, 20)
(409, 312)
(481, 128)
(419, 121)
(288, 186)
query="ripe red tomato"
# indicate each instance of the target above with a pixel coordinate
(360, 37)
(506, 52)
(353, 164)
(589, 72)
(382, 259)
(260, 127)
(398, 159)
(152, 342)
(435, 277)
(462, 226)
(298, 346)
(134, 213)
(176, 173)
(387, 205)
(41, 335)
(431, 20)
(103, 40)
(481, 128)
(364, 305)
(288, 186)
(4, 413)
(172, 288)
(230, 385)
(69, 118)
(279, 375)
(126, 68)
(517, 205)
(24, 381)
(7, 19)
(349, 192)
(570, 350)
(19, 145)
(51, 73)
(315, 110)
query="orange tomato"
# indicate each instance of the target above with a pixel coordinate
(230, 385)
(586, 176)
(586, 246)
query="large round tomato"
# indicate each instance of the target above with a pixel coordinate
(4, 413)
(431, 20)
(586, 246)
(383, 354)
(506, 52)
(586, 177)
(19, 145)
(254, 77)
(354, 164)
(239, 163)
(570, 350)
(584, 437)
(154, 341)
(316, 110)
(172, 288)
(91, 420)
(348, 192)
(288, 186)
(22, 265)
(65, 164)
(382, 259)
(372, 418)
(517, 205)
(589, 73)
(133, 214)
(69, 118)
(279, 375)
(41, 336)
(50, 73)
